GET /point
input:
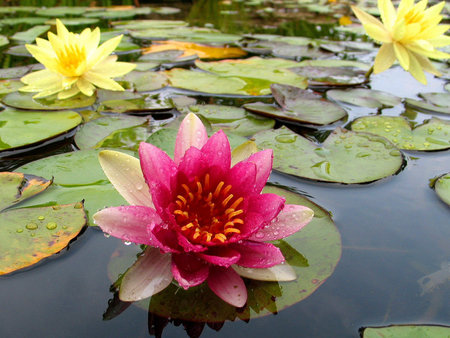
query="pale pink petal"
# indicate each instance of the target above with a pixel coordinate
(220, 255)
(277, 273)
(218, 150)
(242, 178)
(150, 274)
(162, 238)
(128, 223)
(192, 133)
(290, 220)
(258, 255)
(188, 270)
(263, 160)
(157, 166)
(227, 285)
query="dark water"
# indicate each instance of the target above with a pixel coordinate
(394, 232)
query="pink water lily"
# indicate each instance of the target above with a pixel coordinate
(202, 216)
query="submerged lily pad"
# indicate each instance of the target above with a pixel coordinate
(21, 128)
(26, 101)
(345, 156)
(364, 97)
(442, 187)
(312, 252)
(433, 102)
(407, 331)
(76, 176)
(28, 235)
(299, 105)
(432, 135)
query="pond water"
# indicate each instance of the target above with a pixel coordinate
(394, 232)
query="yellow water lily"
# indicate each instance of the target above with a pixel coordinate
(409, 34)
(74, 63)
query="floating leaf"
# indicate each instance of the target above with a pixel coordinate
(145, 81)
(21, 128)
(77, 176)
(145, 103)
(312, 252)
(74, 21)
(148, 24)
(3, 40)
(26, 101)
(405, 331)
(31, 34)
(62, 11)
(299, 105)
(25, 20)
(434, 102)
(16, 72)
(345, 156)
(331, 76)
(28, 235)
(432, 135)
(9, 86)
(364, 97)
(442, 187)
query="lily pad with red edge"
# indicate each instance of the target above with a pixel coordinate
(299, 105)
(432, 102)
(28, 235)
(442, 187)
(434, 134)
(344, 157)
(364, 97)
(20, 128)
(313, 252)
(25, 101)
(406, 331)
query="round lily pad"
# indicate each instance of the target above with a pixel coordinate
(145, 81)
(433, 102)
(9, 86)
(76, 176)
(432, 135)
(331, 76)
(74, 21)
(345, 156)
(312, 252)
(144, 103)
(61, 11)
(22, 128)
(26, 101)
(442, 187)
(31, 34)
(405, 331)
(364, 97)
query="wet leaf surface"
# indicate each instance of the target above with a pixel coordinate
(404, 331)
(26, 101)
(432, 102)
(442, 187)
(364, 97)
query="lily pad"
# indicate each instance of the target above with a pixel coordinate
(331, 76)
(145, 103)
(406, 331)
(432, 135)
(364, 97)
(74, 21)
(433, 102)
(61, 11)
(29, 235)
(15, 72)
(25, 20)
(3, 40)
(9, 86)
(345, 156)
(76, 176)
(313, 253)
(148, 24)
(442, 187)
(145, 81)
(31, 34)
(21, 128)
(299, 105)
(26, 101)
(93, 132)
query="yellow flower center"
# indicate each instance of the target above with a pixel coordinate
(413, 16)
(72, 59)
(208, 214)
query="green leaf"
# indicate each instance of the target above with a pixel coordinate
(15, 72)
(3, 40)
(9, 86)
(407, 331)
(434, 134)
(331, 76)
(364, 97)
(74, 21)
(62, 11)
(442, 187)
(21, 128)
(31, 34)
(345, 156)
(434, 102)
(144, 103)
(26, 101)
(145, 81)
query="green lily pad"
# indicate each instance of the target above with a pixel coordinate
(31, 34)
(442, 187)
(61, 11)
(334, 63)
(166, 10)
(126, 43)
(115, 14)
(19, 50)
(22, 128)
(364, 97)
(345, 156)
(15, 72)
(74, 21)
(432, 135)
(331, 76)
(145, 81)
(25, 20)
(148, 24)
(299, 105)
(9, 86)
(126, 138)
(26, 101)
(145, 103)
(231, 119)
(171, 56)
(313, 253)
(29, 235)
(94, 132)
(272, 70)
(434, 102)
(76, 176)
(3, 40)
(407, 331)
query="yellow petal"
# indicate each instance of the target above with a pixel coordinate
(404, 7)
(441, 41)
(434, 32)
(377, 33)
(65, 94)
(62, 31)
(387, 12)
(43, 56)
(40, 76)
(85, 87)
(102, 81)
(113, 69)
(416, 70)
(399, 30)
(103, 51)
(402, 55)
(366, 18)
(434, 54)
(384, 59)
(427, 65)
(45, 44)
(92, 41)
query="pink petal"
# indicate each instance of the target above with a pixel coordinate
(192, 133)
(220, 255)
(258, 255)
(194, 163)
(188, 270)
(162, 238)
(290, 220)
(157, 166)
(263, 161)
(227, 285)
(128, 223)
(242, 178)
(187, 245)
(217, 150)
(150, 274)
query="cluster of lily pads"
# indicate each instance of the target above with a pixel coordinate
(280, 93)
